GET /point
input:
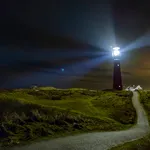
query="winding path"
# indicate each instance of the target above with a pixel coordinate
(98, 140)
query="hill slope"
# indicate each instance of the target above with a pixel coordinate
(28, 114)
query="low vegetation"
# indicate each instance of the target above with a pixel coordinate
(144, 143)
(30, 114)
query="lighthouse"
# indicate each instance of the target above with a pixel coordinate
(117, 78)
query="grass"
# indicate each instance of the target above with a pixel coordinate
(144, 143)
(31, 114)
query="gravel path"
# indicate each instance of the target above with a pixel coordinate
(97, 140)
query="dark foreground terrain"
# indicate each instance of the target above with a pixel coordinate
(28, 115)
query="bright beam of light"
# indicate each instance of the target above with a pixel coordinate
(139, 43)
(82, 68)
(102, 27)
(57, 77)
(9, 57)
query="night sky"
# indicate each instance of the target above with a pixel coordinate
(66, 43)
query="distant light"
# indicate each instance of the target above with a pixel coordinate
(119, 85)
(62, 69)
(118, 65)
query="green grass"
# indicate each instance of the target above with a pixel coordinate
(29, 114)
(144, 143)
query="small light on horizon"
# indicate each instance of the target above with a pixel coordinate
(62, 69)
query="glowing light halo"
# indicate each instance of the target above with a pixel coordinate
(116, 48)
(116, 51)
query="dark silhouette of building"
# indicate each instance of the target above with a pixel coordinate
(117, 79)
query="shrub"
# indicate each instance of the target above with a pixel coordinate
(3, 131)
(56, 97)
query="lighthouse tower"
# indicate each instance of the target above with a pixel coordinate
(117, 78)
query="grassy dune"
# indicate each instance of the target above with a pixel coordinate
(29, 114)
(144, 143)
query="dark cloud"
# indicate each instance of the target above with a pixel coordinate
(38, 38)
